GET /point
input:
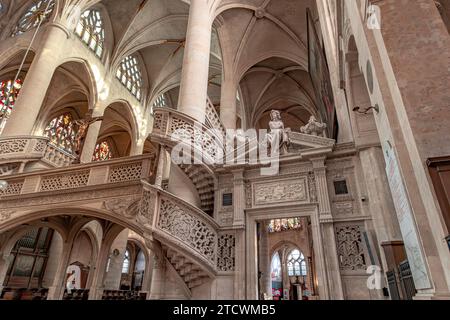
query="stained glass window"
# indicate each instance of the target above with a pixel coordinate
(40, 10)
(61, 132)
(279, 225)
(296, 263)
(90, 30)
(130, 75)
(8, 96)
(102, 152)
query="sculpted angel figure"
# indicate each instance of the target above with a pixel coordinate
(82, 129)
(278, 131)
(314, 127)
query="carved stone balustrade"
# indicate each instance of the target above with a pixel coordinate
(213, 119)
(57, 157)
(171, 128)
(79, 176)
(15, 152)
(181, 227)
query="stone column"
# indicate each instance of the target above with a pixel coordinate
(38, 79)
(239, 198)
(97, 286)
(148, 273)
(380, 202)
(194, 79)
(264, 259)
(240, 291)
(159, 273)
(228, 112)
(56, 291)
(334, 281)
(113, 276)
(90, 142)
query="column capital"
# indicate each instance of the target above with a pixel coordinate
(238, 175)
(318, 163)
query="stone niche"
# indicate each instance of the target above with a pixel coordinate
(342, 187)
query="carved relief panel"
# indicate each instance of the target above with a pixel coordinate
(281, 191)
(226, 252)
(351, 247)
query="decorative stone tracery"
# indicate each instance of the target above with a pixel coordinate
(126, 172)
(187, 227)
(65, 181)
(226, 252)
(350, 247)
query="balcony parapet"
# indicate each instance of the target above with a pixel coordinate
(15, 152)
(79, 176)
(171, 128)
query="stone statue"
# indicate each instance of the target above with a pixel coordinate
(277, 131)
(82, 129)
(314, 127)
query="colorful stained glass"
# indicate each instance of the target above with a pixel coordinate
(61, 132)
(279, 225)
(7, 101)
(39, 11)
(102, 152)
(90, 30)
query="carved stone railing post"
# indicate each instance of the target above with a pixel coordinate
(327, 247)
